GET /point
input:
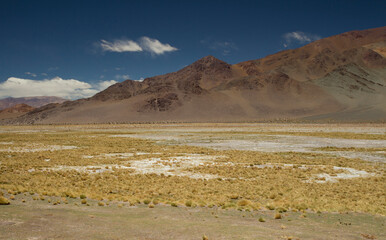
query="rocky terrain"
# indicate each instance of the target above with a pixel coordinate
(338, 78)
(15, 111)
(31, 101)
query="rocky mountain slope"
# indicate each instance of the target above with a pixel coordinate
(342, 77)
(31, 101)
(15, 111)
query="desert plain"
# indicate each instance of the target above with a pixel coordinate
(193, 181)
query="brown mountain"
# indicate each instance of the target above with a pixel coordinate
(15, 111)
(342, 77)
(31, 101)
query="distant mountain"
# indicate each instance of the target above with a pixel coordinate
(15, 111)
(31, 101)
(341, 77)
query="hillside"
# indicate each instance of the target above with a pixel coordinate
(31, 101)
(341, 77)
(15, 111)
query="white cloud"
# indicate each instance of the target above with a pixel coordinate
(31, 74)
(120, 46)
(156, 47)
(139, 80)
(299, 37)
(105, 84)
(66, 88)
(122, 76)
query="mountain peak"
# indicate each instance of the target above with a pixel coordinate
(208, 59)
(209, 62)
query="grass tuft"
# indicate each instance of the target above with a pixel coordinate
(244, 203)
(188, 203)
(173, 204)
(4, 201)
(277, 216)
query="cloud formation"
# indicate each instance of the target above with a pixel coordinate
(154, 46)
(105, 84)
(299, 38)
(66, 88)
(122, 76)
(120, 46)
(139, 80)
(31, 74)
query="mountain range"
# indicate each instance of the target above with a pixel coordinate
(15, 111)
(339, 78)
(31, 101)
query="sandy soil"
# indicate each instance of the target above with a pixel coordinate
(40, 220)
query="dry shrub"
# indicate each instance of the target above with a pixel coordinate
(188, 203)
(234, 196)
(281, 209)
(270, 207)
(244, 203)
(4, 201)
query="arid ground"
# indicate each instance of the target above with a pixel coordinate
(191, 181)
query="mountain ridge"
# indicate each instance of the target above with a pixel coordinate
(37, 101)
(15, 111)
(340, 77)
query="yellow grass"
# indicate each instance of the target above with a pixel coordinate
(241, 184)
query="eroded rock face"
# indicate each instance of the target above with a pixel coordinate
(119, 91)
(161, 104)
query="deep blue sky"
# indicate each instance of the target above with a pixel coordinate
(62, 38)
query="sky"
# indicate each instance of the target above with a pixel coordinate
(74, 49)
